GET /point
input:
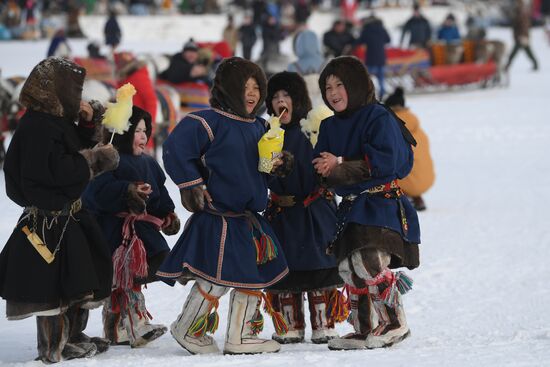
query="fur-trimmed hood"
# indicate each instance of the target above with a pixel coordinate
(356, 79)
(54, 87)
(295, 86)
(229, 86)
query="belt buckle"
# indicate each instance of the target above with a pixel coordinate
(286, 201)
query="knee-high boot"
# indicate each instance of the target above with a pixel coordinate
(196, 319)
(291, 306)
(244, 323)
(136, 321)
(78, 320)
(322, 321)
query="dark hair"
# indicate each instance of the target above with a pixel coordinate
(125, 142)
(397, 98)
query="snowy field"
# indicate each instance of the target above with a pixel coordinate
(481, 295)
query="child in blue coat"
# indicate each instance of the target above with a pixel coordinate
(132, 207)
(361, 152)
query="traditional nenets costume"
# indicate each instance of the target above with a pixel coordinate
(303, 215)
(212, 156)
(56, 264)
(131, 218)
(368, 150)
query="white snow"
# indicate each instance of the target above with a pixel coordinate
(481, 295)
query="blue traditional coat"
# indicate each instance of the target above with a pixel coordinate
(373, 134)
(220, 150)
(106, 196)
(304, 231)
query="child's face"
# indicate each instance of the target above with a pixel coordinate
(140, 138)
(251, 95)
(336, 93)
(280, 101)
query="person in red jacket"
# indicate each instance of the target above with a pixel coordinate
(131, 70)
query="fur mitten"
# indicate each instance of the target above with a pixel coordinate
(134, 200)
(349, 173)
(288, 164)
(171, 224)
(192, 199)
(101, 158)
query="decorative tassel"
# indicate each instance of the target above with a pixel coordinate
(279, 322)
(130, 258)
(265, 248)
(256, 323)
(213, 322)
(210, 320)
(404, 282)
(199, 327)
(337, 306)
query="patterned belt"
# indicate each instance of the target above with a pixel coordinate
(287, 201)
(68, 209)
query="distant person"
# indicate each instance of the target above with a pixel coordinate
(448, 32)
(247, 36)
(476, 26)
(521, 23)
(375, 36)
(418, 28)
(338, 40)
(94, 51)
(272, 35)
(185, 67)
(59, 46)
(422, 175)
(231, 34)
(112, 31)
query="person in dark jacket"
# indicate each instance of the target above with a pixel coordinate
(338, 40)
(375, 36)
(56, 263)
(361, 152)
(133, 202)
(112, 31)
(521, 24)
(247, 36)
(303, 216)
(418, 28)
(185, 67)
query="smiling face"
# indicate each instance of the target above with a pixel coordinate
(140, 138)
(336, 94)
(251, 95)
(281, 101)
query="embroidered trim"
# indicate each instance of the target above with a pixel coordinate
(222, 248)
(190, 183)
(223, 282)
(235, 117)
(204, 124)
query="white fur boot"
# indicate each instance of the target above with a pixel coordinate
(392, 325)
(291, 306)
(241, 337)
(322, 323)
(136, 322)
(191, 326)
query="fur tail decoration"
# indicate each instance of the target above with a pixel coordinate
(337, 306)
(399, 282)
(281, 327)
(207, 323)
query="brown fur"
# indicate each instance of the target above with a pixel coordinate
(348, 173)
(192, 199)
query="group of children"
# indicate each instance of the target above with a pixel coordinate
(303, 244)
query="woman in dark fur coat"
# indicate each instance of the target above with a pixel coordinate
(212, 155)
(303, 216)
(361, 152)
(47, 167)
(132, 206)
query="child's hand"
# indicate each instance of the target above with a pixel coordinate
(143, 189)
(86, 111)
(325, 163)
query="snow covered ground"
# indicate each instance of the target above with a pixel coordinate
(481, 295)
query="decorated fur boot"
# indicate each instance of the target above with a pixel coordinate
(245, 323)
(113, 328)
(392, 325)
(78, 320)
(136, 320)
(198, 317)
(321, 315)
(361, 318)
(291, 306)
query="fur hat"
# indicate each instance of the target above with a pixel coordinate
(356, 79)
(396, 99)
(229, 86)
(125, 142)
(126, 64)
(54, 87)
(295, 86)
(190, 46)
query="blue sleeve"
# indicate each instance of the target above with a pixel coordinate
(322, 140)
(182, 151)
(107, 194)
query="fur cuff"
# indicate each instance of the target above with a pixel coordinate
(287, 166)
(101, 158)
(136, 203)
(192, 199)
(348, 173)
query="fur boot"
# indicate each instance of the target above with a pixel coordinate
(392, 325)
(78, 320)
(322, 323)
(291, 306)
(113, 329)
(136, 322)
(241, 337)
(191, 326)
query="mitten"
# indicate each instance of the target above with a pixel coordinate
(288, 164)
(192, 199)
(101, 158)
(135, 202)
(171, 224)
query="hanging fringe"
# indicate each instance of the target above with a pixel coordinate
(281, 327)
(207, 323)
(399, 283)
(337, 306)
(256, 323)
(265, 248)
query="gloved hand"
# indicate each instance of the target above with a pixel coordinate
(171, 224)
(284, 166)
(101, 158)
(193, 199)
(136, 199)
